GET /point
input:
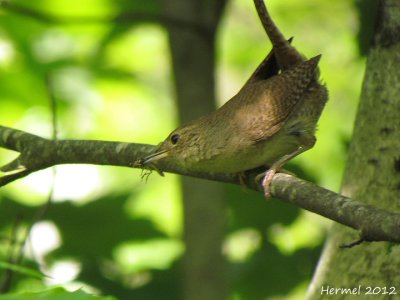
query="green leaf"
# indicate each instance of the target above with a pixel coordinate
(21, 270)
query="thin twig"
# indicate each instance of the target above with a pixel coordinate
(16, 254)
(13, 249)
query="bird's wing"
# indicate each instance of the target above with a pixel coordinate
(260, 122)
(263, 107)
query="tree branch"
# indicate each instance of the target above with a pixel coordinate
(36, 153)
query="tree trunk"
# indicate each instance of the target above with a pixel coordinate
(372, 173)
(193, 58)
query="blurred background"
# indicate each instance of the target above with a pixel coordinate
(108, 230)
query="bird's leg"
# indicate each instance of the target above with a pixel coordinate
(261, 176)
(269, 174)
(242, 178)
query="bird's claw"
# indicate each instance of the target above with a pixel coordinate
(266, 182)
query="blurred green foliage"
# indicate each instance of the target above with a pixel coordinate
(54, 294)
(113, 233)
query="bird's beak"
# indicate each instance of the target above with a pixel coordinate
(154, 157)
(148, 161)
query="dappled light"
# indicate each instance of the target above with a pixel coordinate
(112, 231)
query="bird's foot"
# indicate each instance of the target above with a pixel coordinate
(242, 179)
(266, 179)
(266, 182)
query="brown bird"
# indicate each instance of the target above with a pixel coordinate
(272, 119)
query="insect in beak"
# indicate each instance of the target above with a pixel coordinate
(148, 161)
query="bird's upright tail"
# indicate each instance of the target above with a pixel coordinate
(286, 55)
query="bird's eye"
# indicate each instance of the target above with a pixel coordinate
(174, 138)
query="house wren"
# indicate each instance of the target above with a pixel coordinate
(269, 121)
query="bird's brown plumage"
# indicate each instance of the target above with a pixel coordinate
(272, 116)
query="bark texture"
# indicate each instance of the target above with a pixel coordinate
(372, 173)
